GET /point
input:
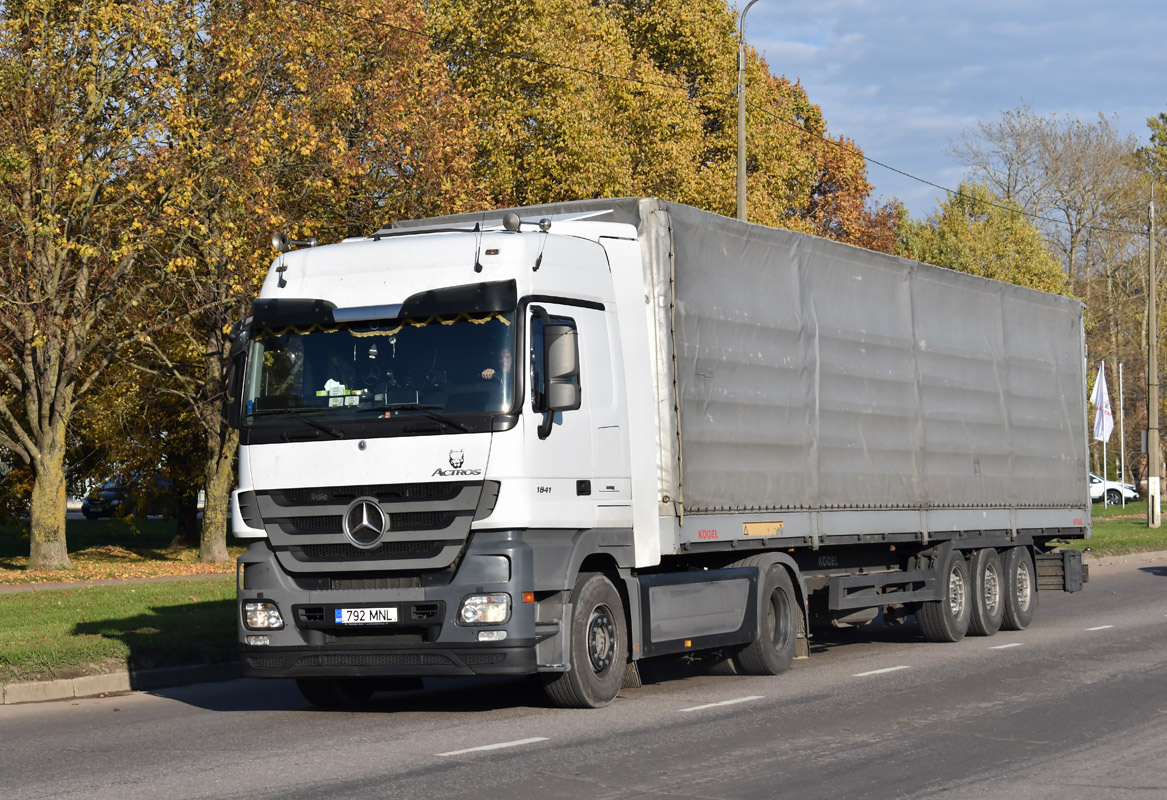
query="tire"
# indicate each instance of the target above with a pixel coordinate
(1113, 497)
(773, 648)
(947, 619)
(335, 693)
(988, 592)
(1020, 589)
(599, 647)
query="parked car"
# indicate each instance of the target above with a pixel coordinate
(1113, 491)
(118, 497)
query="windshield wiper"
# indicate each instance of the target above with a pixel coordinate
(426, 411)
(299, 413)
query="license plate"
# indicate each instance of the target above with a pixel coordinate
(366, 616)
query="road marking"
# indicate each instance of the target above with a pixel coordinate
(1100, 628)
(725, 702)
(498, 746)
(878, 671)
(1003, 646)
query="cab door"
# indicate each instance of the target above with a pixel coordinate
(561, 445)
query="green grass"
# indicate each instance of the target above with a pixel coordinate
(65, 633)
(1118, 537)
(1137, 508)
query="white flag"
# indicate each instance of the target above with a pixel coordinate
(1103, 418)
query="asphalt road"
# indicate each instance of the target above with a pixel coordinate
(1074, 707)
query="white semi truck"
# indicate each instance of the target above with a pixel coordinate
(560, 439)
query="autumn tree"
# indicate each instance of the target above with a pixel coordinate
(581, 99)
(1071, 176)
(975, 231)
(83, 172)
(326, 125)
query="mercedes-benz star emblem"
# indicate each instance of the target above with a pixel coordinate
(364, 522)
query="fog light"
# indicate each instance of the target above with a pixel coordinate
(485, 609)
(491, 636)
(261, 616)
(255, 641)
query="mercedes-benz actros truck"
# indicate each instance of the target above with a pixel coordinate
(558, 440)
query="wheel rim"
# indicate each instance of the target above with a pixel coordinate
(1024, 587)
(992, 591)
(956, 592)
(601, 638)
(779, 614)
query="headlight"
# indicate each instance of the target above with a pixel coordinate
(262, 616)
(485, 609)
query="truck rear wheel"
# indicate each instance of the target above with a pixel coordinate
(335, 693)
(1020, 589)
(988, 595)
(599, 647)
(947, 619)
(773, 649)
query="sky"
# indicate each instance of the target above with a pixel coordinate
(905, 78)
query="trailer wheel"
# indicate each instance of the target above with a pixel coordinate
(599, 647)
(988, 592)
(947, 619)
(335, 693)
(773, 649)
(1020, 590)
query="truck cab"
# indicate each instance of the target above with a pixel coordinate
(428, 421)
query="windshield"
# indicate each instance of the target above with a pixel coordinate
(431, 367)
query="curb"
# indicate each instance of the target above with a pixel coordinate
(1105, 561)
(116, 682)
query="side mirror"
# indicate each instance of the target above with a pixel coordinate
(240, 338)
(561, 360)
(561, 371)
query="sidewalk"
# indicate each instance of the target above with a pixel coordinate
(114, 682)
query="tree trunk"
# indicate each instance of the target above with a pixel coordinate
(47, 547)
(220, 473)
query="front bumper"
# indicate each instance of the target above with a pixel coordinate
(517, 658)
(425, 640)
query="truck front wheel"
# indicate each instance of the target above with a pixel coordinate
(599, 647)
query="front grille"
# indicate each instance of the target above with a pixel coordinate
(412, 582)
(265, 662)
(316, 524)
(346, 552)
(419, 520)
(412, 521)
(382, 491)
(375, 660)
(481, 659)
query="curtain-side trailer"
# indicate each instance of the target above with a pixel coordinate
(560, 439)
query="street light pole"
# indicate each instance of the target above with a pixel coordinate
(1154, 503)
(741, 115)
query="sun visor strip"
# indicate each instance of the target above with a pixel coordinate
(273, 313)
(472, 298)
